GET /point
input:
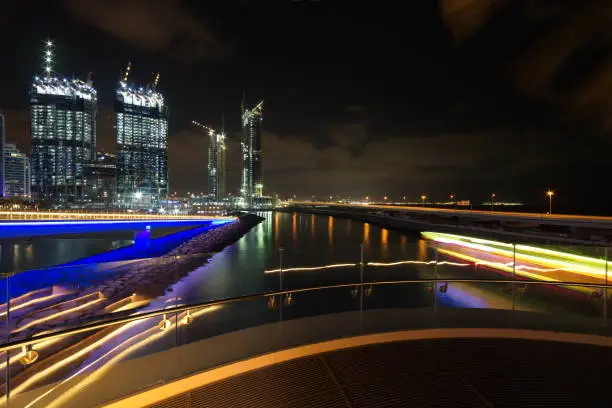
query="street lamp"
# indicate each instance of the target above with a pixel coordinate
(492, 199)
(550, 195)
(423, 198)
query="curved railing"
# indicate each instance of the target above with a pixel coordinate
(106, 345)
(104, 360)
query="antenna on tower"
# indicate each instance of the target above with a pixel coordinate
(89, 81)
(48, 58)
(155, 82)
(126, 74)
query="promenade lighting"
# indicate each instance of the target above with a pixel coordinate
(492, 200)
(423, 198)
(550, 195)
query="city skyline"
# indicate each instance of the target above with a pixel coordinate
(412, 105)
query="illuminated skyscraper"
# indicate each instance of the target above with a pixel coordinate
(63, 134)
(16, 172)
(251, 181)
(142, 152)
(216, 162)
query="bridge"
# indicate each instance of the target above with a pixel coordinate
(584, 229)
(35, 224)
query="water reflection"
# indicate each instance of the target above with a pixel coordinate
(295, 229)
(312, 226)
(422, 250)
(384, 243)
(276, 229)
(366, 233)
(330, 231)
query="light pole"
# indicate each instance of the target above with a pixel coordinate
(423, 198)
(452, 199)
(492, 199)
(550, 195)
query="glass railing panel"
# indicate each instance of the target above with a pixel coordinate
(565, 263)
(469, 304)
(303, 269)
(463, 257)
(397, 306)
(54, 298)
(565, 308)
(214, 335)
(88, 369)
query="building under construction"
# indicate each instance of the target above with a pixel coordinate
(251, 186)
(142, 148)
(63, 114)
(216, 162)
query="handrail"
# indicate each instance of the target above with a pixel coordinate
(183, 308)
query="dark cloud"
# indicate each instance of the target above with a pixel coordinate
(566, 60)
(164, 27)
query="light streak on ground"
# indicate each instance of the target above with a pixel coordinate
(34, 302)
(139, 341)
(555, 261)
(63, 312)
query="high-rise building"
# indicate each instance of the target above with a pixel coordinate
(216, 165)
(251, 185)
(101, 177)
(216, 162)
(63, 114)
(16, 172)
(142, 152)
(2, 137)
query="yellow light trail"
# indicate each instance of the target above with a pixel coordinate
(34, 302)
(97, 374)
(347, 265)
(62, 313)
(582, 266)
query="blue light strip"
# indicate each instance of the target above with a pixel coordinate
(40, 228)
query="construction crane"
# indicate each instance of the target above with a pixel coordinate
(198, 124)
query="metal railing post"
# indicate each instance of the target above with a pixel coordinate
(513, 284)
(435, 282)
(605, 293)
(280, 268)
(361, 279)
(8, 338)
(280, 286)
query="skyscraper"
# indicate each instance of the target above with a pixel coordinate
(216, 165)
(216, 161)
(16, 172)
(251, 185)
(142, 152)
(63, 115)
(2, 137)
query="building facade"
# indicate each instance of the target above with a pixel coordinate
(63, 116)
(101, 178)
(216, 165)
(142, 152)
(251, 185)
(16, 172)
(2, 140)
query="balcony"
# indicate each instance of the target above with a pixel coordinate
(447, 337)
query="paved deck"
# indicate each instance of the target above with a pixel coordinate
(424, 373)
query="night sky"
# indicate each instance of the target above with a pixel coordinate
(372, 98)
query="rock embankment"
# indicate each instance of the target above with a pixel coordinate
(148, 278)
